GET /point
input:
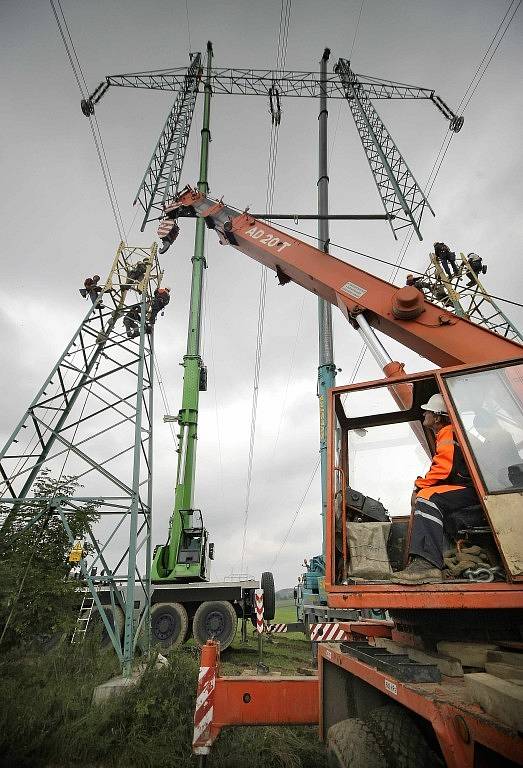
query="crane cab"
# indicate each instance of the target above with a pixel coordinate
(185, 557)
(377, 448)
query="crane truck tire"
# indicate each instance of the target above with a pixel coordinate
(116, 620)
(351, 744)
(269, 595)
(397, 734)
(215, 620)
(169, 624)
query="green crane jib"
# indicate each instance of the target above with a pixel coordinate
(185, 555)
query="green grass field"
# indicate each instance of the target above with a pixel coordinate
(47, 719)
(286, 652)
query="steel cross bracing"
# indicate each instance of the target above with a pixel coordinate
(92, 421)
(466, 296)
(162, 177)
(400, 193)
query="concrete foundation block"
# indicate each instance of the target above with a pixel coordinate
(390, 645)
(114, 687)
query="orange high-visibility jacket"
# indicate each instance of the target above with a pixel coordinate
(448, 464)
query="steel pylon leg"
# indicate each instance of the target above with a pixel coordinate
(162, 176)
(401, 195)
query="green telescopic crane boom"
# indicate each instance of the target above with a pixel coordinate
(185, 532)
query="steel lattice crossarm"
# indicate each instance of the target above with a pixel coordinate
(402, 198)
(91, 422)
(259, 82)
(465, 294)
(400, 193)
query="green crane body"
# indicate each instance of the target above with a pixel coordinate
(185, 555)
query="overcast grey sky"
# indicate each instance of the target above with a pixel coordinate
(58, 227)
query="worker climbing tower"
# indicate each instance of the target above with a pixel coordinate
(91, 421)
(465, 294)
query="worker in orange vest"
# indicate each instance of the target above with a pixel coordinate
(161, 298)
(446, 488)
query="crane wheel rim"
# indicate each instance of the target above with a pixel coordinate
(165, 626)
(215, 622)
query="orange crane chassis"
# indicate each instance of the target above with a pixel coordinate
(462, 729)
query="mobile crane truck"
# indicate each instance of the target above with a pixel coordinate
(394, 692)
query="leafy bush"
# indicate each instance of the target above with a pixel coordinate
(36, 598)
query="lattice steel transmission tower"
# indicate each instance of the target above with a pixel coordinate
(92, 420)
(466, 295)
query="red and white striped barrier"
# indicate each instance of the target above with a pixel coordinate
(273, 629)
(204, 709)
(327, 631)
(258, 600)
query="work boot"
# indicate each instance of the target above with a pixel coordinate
(419, 571)
(169, 238)
(166, 244)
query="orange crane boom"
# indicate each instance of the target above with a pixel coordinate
(400, 313)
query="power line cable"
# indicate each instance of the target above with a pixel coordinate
(356, 30)
(291, 367)
(165, 399)
(492, 55)
(73, 47)
(295, 517)
(445, 145)
(95, 128)
(488, 49)
(69, 55)
(188, 25)
(285, 11)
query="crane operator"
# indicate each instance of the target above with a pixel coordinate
(446, 488)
